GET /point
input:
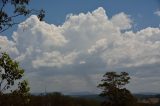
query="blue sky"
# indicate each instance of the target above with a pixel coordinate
(140, 10)
(97, 36)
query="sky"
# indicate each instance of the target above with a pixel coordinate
(79, 41)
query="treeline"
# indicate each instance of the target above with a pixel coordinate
(53, 99)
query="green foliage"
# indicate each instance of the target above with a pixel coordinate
(114, 91)
(10, 74)
(20, 8)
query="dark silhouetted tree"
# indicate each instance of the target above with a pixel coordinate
(114, 91)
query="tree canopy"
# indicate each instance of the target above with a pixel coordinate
(10, 73)
(11, 81)
(113, 86)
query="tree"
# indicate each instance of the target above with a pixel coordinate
(114, 91)
(19, 7)
(9, 72)
(10, 75)
(21, 94)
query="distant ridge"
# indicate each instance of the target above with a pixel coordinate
(89, 93)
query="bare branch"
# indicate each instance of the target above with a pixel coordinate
(8, 27)
(4, 3)
(4, 29)
(4, 87)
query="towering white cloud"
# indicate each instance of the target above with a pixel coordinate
(83, 46)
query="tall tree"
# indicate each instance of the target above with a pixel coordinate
(9, 72)
(19, 7)
(11, 80)
(113, 86)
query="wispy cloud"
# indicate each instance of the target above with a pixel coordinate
(157, 12)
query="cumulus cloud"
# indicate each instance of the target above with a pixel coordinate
(82, 48)
(54, 59)
(122, 21)
(102, 43)
(7, 45)
(135, 49)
